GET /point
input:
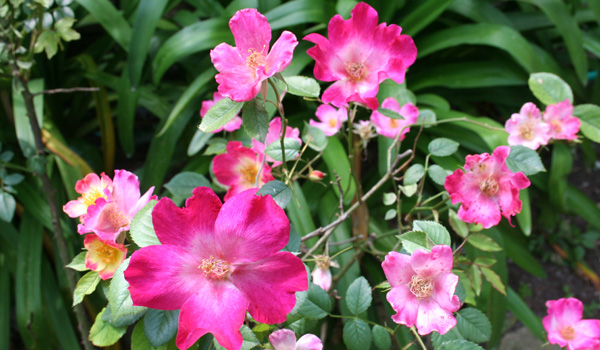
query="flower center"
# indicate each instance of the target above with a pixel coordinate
(215, 268)
(489, 186)
(255, 59)
(556, 125)
(332, 123)
(106, 253)
(249, 172)
(89, 198)
(356, 71)
(322, 262)
(526, 132)
(117, 218)
(393, 123)
(420, 286)
(568, 333)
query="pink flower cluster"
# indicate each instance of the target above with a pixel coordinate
(566, 328)
(531, 129)
(390, 127)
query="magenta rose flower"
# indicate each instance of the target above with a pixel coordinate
(284, 339)
(527, 128)
(487, 188)
(423, 288)
(566, 328)
(216, 262)
(242, 69)
(91, 187)
(359, 55)
(232, 125)
(390, 127)
(563, 125)
(330, 119)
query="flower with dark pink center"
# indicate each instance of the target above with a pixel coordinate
(423, 288)
(487, 188)
(274, 135)
(284, 339)
(566, 328)
(359, 55)
(216, 262)
(563, 125)
(527, 128)
(330, 119)
(232, 125)
(103, 257)
(244, 68)
(391, 127)
(91, 187)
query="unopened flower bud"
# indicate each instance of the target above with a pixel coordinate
(316, 175)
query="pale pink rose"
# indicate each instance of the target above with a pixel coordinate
(103, 257)
(243, 68)
(322, 277)
(331, 119)
(217, 262)
(274, 135)
(527, 128)
(423, 288)
(563, 125)
(91, 187)
(284, 339)
(232, 125)
(239, 167)
(487, 188)
(566, 328)
(390, 127)
(359, 55)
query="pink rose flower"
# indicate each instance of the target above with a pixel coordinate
(321, 274)
(487, 188)
(390, 127)
(108, 217)
(274, 135)
(423, 287)
(566, 328)
(284, 339)
(103, 257)
(239, 167)
(526, 128)
(216, 262)
(232, 125)
(359, 55)
(331, 119)
(91, 187)
(243, 68)
(563, 125)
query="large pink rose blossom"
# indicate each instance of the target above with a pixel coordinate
(423, 288)
(566, 328)
(390, 127)
(563, 125)
(330, 119)
(239, 167)
(108, 217)
(359, 55)
(242, 69)
(284, 339)
(527, 128)
(216, 262)
(274, 135)
(91, 187)
(103, 257)
(487, 188)
(232, 125)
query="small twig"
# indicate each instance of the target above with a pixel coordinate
(338, 181)
(65, 91)
(461, 245)
(350, 240)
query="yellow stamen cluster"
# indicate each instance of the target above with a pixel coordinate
(249, 172)
(568, 333)
(215, 268)
(106, 253)
(489, 186)
(89, 197)
(356, 71)
(255, 59)
(117, 218)
(526, 132)
(420, 286)
(332, 123)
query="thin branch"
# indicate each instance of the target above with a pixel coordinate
(338, 182)
(65, 91)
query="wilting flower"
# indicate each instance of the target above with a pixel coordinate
(216, 262)
(243, 68)
(563, 125)
(321, 274)
(232, 125)
(331, 119)
(390, 127)
(103, 257)
(423, 288)
(239, 168)
(364, 129)
(91, 187)
(110, 216)
(566, 328)
(274, 135)
(359, 55)
(284, 339)
(527, 128)
(487, 188)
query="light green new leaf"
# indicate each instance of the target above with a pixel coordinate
(292, 147)
(414, 240)
(7, 206)
(438, 174)
(303, 86)
(442, 147)
(494, 279)
(86, 285)
(220, 114)
(78, 262)
(413, 174)
(549, 88)
(103, 333)
(438, 234)
(483, 242)
(315, 137)
(142, 230)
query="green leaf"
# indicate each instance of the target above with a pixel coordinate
(22, 123)
(121, 306)
(182, 184)
(389, 198)
(303, 86)
(78, 262)
(436, 232)
(358, 296)
(139, 340)
(422, 15)
(318, 139)
(216, 145)
(64, 29)
(442, 147)
(47, 41)
(521, 310)
(413, 174)
(142, 229)
(314, 303)
(13, 179)
(589, 115)
(483, 242)
(294, 241)
(255, 120)
(549, 88)
(426, 116)
(438, 339)
(390, 113)
(292, 147)
(110, 19)
(409, 190)
(414, 240)
(494, 279)
(473, 325)
(525, 160)
(357, 335)
(86, 285)
(220, 114)
(558, 179)
(459, 226)
(198, 142)
(390, 214)
(381, 338)
(160, 326)
(279, 191)
(459, 345)
(103, 333)
(336, 158)
(438, 174)
(7, 206)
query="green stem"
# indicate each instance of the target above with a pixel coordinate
(418, 338)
